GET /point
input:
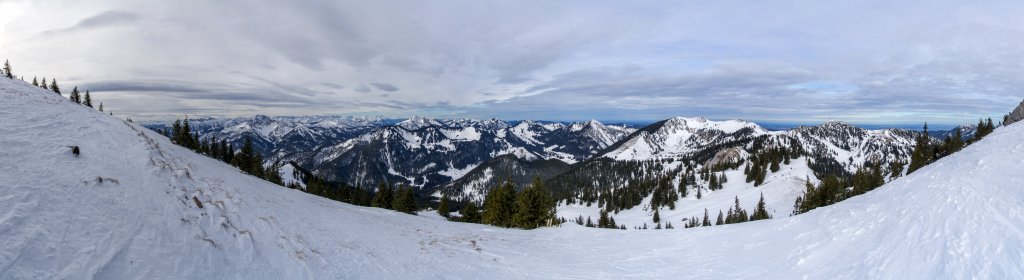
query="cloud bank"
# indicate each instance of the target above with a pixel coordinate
(781, 61)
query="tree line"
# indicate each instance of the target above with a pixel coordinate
(75, 95)
(503, 206)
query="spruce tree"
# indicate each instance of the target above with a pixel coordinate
(54, 87)
(7, 70)
(534, 207)
(707, 221)
(442, 207)
(760, 213)
(74, 96)
(101, 107)
(383, 197)
(88, 100)
(500, 205)
(273, 173)
(35, 82)
(657, 217)
(720, 219)
(922, 153)
(43, 84)
(470, 212)
(404, 200)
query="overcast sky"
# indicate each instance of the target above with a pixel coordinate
(775, 61)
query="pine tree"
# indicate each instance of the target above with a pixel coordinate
(74, 96)
(657, 216)
(35, 82)
(88, 100)
(101, 107)
(707, 221)
(383, 197)
(273, 173)
(54, 87)
(760, 213)
(7, 70)
(470, 212)
(404, 200)
(922, 153)
(500, 205)
(720, 219)
(442, 207)
(534, 207)
(43, 84)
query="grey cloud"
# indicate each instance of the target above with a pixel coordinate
(385, 87)
(874, 60)
(142, 85)
(104, 19)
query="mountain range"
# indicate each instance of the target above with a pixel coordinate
(133, 205)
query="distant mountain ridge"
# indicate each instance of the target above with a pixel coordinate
(418, 151)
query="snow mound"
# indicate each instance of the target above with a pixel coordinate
(129, 208)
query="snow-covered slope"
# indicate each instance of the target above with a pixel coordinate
(961, 217)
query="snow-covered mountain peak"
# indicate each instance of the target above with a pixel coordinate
(417, 122)
(697, 123)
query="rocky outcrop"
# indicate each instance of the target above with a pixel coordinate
(1016, 115)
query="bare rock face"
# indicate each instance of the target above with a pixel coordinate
(728, 156)
(1016, 115)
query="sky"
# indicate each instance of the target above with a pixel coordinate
(869, 62)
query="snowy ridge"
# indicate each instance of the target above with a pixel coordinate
(680, 136)
(424, 152)
(960, 217)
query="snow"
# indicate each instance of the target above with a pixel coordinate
(522, 130)
(456, 173)
(780, 190)
(961, 217)
(463, 134)
(288, 176)
(678, 136)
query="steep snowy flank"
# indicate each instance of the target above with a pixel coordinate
(134, 206)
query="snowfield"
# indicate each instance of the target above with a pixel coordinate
(129, 208)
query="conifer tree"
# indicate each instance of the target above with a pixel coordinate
(442, 207)
(602, 220)
(7, 70)
(534, 207)
(273, 173)
(404, 200)
(470, 212)
(35, 82)
(707, 221)
(101, 107)
(383, 197)
(760, 213)
(43, 84)
(657, 217)
(54, 87)
(74, 96)
(500, 205)
(88, 100)
(922, 153)
(720, 219)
